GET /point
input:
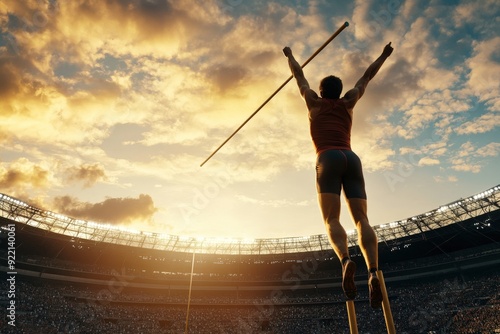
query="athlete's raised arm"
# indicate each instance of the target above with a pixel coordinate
(353, 95)
(306, 92)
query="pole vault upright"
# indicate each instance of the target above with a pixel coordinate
(186, 327)
(339, 30)
(386, 308)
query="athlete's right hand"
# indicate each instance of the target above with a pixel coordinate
(387, 50)
(287, 51)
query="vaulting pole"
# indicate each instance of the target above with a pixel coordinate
(351, 314)
(345, 25)
(386, 306)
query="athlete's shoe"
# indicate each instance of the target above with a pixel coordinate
(348, 284)
(375, 291)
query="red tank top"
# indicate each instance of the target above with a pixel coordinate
(331, 126)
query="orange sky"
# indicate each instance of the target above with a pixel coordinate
(109, 107)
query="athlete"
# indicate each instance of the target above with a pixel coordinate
(338, 167)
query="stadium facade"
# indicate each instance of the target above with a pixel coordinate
(252, 285)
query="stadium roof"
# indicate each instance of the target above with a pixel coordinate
(459, 210)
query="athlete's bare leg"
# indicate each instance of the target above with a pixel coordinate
(367, 238)
(330, 208)
(369, 247)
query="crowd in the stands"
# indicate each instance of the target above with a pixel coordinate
(457, 304)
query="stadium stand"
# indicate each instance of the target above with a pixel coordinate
(441, 269)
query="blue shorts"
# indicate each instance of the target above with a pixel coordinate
(337, 169)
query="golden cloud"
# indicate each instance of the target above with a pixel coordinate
(23, 174)
(111, 210)
(88, 174)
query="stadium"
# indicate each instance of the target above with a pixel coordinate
(66, 275)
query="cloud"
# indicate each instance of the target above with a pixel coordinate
(427, 161)
(372, 20)
(462, 165)
(79, 106)
(23, 174)
(112, 210)
(489, 150)
(43, 112)
(484, 72)
(88, 174)
(225, 77)
(475, 12)
(431, 110)
(374, 147)
(161, 28)
(466, 149)
(9, 83)
(449, 178)
(482, 124)
(433, 146)
(468, 158)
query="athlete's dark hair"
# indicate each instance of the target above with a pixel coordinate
(330, 87)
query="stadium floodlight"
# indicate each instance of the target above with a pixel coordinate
(184, 238)
(127, 230)
(442, 208)
(248, 241)
(97, 225)
(225, 240)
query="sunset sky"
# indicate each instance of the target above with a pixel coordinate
(108, 108)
